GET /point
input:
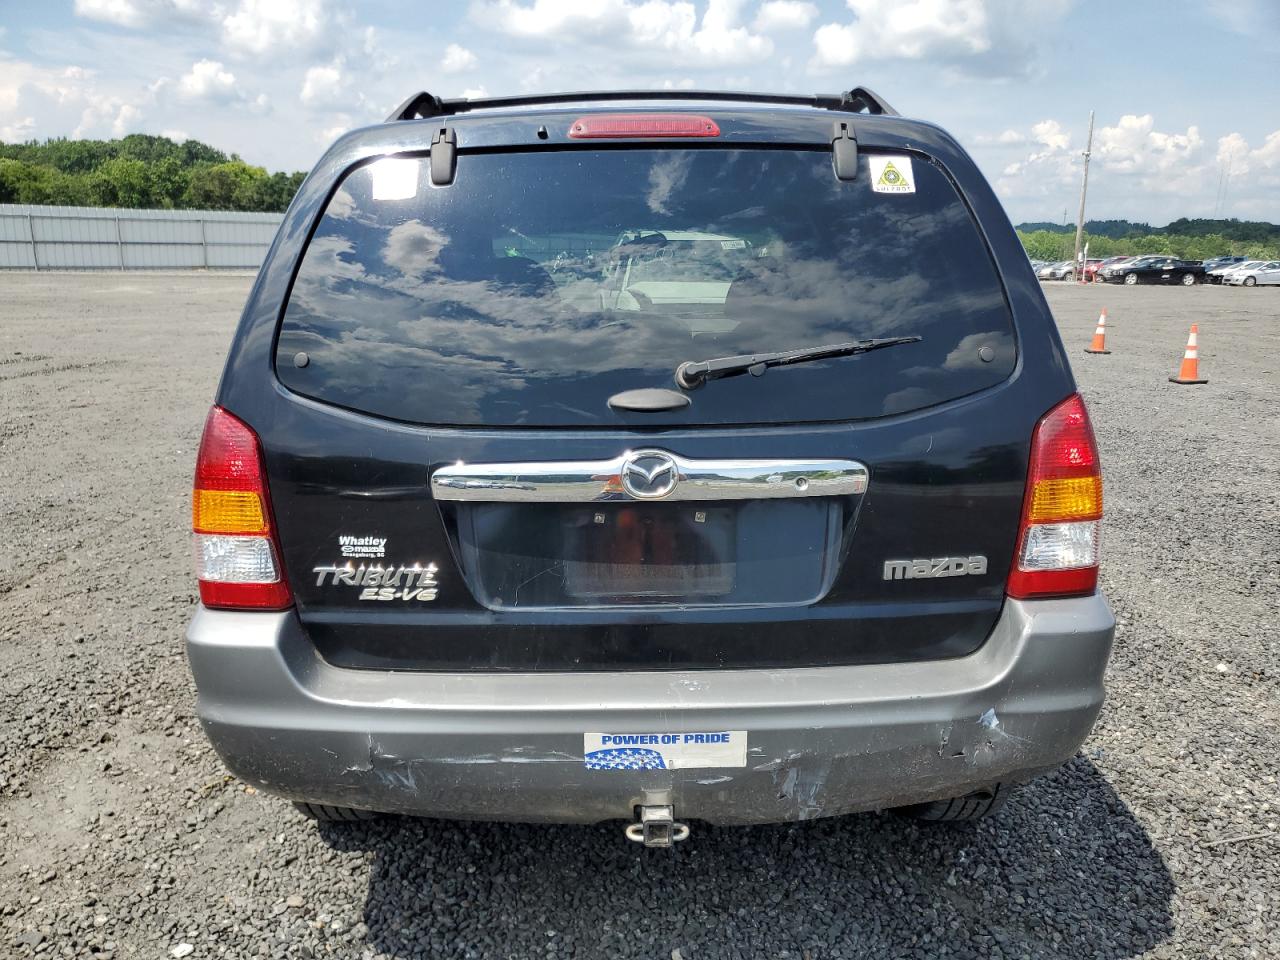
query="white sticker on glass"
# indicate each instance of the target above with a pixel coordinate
(891, 174)
(394, 178)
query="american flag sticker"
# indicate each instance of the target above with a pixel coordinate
(665, 751)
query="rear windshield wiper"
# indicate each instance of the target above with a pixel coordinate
(694, 373)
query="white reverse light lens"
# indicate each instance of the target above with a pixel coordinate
(394, 178)
(224, 559)
(1061, 546)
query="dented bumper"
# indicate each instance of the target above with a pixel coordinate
(819, 741)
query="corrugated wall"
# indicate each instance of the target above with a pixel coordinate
(94, 238)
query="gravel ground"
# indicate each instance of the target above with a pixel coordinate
(120, 835)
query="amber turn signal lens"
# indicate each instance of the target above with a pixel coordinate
(1066, 498)
(227, 511)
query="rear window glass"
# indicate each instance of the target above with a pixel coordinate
(538, 285)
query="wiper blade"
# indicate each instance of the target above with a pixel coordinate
(694, 373)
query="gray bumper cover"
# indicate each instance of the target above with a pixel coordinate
(821, 741)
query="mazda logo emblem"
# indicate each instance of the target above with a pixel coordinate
(649, 474)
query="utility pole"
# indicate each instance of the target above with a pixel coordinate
(1084, 189)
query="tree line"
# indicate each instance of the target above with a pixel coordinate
(139, 171)
(149, 172)
(1050, 245)
(1185, 238)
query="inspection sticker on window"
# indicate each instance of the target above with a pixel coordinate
(664, 751)
(891, 174)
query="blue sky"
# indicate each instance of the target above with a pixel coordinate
(1187, 94)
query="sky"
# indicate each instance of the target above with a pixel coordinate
(1187, 94)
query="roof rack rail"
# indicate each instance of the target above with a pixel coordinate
(857, 100)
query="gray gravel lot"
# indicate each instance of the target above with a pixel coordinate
(120, 835)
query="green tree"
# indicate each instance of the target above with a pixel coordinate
(222, 186)
(168, 179)
(120, 182)
(22, 182)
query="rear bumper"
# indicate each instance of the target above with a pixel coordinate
(821, 741)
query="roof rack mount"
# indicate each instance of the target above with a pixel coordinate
(858, 100)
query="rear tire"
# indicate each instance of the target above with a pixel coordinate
(973, 806)
(1130, 279)
(324, 813)
(1188, 279)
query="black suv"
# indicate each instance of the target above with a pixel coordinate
(655, 456)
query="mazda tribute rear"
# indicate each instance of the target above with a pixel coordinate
(657, 457)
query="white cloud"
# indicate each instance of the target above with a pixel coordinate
(907, 29)
(635, 27)
(323, 85)
(457, 59)
(1008, 138)
(776, 15)
(992, 37)
(139, 13)
(1141, 172)
(208, 80)
(126, 120)
(246, 27)
(1051, 136)
(475, 93)
(330, 134)
(1162, 161)
(38, 101)
(20, 129)
(266, 26)
(124, 13)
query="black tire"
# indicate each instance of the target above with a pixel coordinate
(1188, 280)
(972, 806)
(1130, 279)
(324, 813)
(1250, 281)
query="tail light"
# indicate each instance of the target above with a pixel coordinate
(1058, 544)
(237, 557)
(607, 126)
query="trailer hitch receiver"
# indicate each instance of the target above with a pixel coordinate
(657, 827)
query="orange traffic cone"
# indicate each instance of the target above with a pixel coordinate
(1190, 370)
(1099, 344)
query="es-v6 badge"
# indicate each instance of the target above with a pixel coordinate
(376, 582)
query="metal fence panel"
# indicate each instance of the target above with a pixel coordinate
(93, 238)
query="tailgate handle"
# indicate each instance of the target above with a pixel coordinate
(647, 474)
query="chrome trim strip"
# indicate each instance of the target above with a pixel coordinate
(593, 481)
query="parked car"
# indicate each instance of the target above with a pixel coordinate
(1214, 265)
(1262, 274)
(1089, 269)
(1159, 269)
(1220, 274)
(1058, 270)
(1108, 264)
(475, 541)
(1114, 272)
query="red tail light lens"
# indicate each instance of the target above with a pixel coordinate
(236, 554)
(622, 125)
(1059, 538)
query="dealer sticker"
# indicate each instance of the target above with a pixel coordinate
(664, 751)
(891, 174)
